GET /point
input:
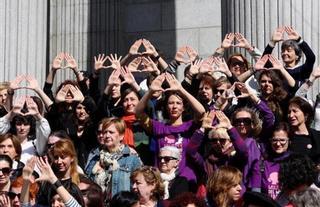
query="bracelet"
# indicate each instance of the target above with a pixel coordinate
(309, 82)
(57, 184)
(157, 57)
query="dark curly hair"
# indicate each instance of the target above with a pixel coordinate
(296, 170)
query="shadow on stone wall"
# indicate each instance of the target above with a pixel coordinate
(115, 24)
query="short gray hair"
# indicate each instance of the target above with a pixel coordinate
(175, 152)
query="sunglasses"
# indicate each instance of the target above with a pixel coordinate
(221, 141)
(13, 195)
(166, 158)
(5, 170)
(216, 91)
(282, 141)
(239, 63)
(245, 121)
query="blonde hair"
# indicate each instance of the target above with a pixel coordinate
(152, 177)
(220, 182)
(221, 132)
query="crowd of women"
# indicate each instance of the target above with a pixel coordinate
(231, 133)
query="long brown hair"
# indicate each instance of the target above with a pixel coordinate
(65, 147)
(220, 182)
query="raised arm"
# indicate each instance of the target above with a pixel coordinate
(33, 85)
(276, 37)
(42, 126)
(48, 175)
(175, 85)
(278, 66)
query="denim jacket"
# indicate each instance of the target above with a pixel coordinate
(121, 176)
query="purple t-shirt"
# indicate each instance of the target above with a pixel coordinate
(179, 137)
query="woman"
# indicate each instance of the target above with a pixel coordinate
(250, 127)
(5, 169)
(85, 124)
(224, 187)
(10, 145)
(64, 163)
(176, 132)
(28, 124)
(273, 153)
(59, 193)
(304, 140)
(223, 146)
(116, 159)
(147, 183)
(169, 158)
(16, 189)
(291, 52)
(277, 87)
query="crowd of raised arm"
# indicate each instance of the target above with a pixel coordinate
(232, 133)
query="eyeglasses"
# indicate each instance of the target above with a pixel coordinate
(5, 170)
(166, 158)
(13, 195)
(221, 141)
(282, 141)
(245, 121)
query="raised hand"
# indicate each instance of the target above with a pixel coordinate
(157, 83)
(243, 90)
(277, 35)
(192, 53)
(206, 67)
(71, 62)
(242, 41)
(77, 94)
(149, 66)
(15, 84)
(224, 121)
(127, 76)
(57, 61)
(208, 119)
(134, 64)
(114, 78)
(276, 64)
(18, 105)
(115, 61)
(261, 62)
(33, 83)
(135, 47)
(4, 200)
(174, 84)
(195, 67)
(32, 107)
(47, 173)
(99, 61)
(222, 66)
(62, 93)
(292, 33)
(150, 49)
(28, 168)
(227, 41)
(179, 57)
